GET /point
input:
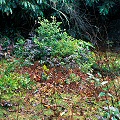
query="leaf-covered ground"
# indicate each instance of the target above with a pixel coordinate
(65, 94)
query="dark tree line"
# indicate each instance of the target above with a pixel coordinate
(85, 19)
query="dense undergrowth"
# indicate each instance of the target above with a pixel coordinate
(54, 47)
(54, 76)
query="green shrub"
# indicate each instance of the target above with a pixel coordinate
(55, 47)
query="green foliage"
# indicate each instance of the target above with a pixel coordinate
(91, 2)
(19, 48)
(106, 6)
(53, 46)
(34, 7)
(103, 6)
(73, 78)
(8, 6)
(28, 11)
(11, 83)
(57, 47)
(4, 41)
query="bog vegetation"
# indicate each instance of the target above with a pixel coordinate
(49, 70)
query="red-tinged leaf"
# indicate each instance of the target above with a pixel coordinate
(34, 76)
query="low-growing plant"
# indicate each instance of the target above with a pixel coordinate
(73, 78)
(19, 48)
(106, 84)
(108, 62)
(111, 106)
(12, 83)
(109, 103)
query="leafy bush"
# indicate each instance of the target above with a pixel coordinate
(55, 47)
(58, 47)
(26, 50)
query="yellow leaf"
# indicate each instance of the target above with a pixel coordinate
(45, 68)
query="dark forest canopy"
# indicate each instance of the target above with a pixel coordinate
(86, 19)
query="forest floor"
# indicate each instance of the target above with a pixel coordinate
(67, 94)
